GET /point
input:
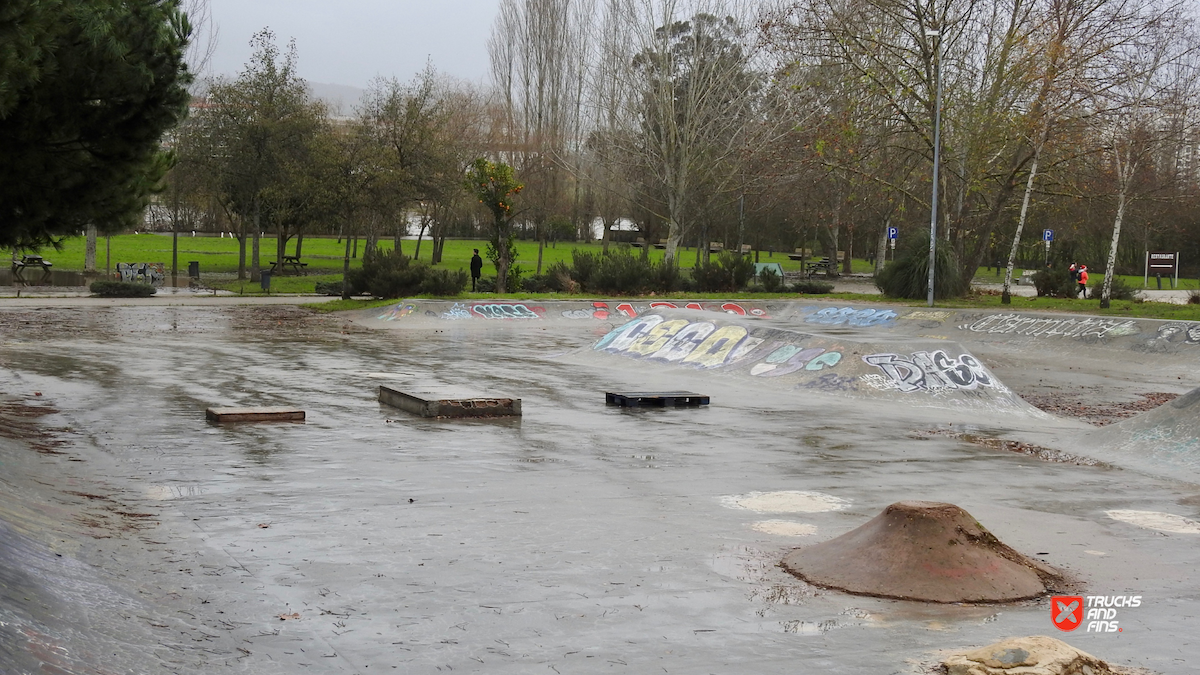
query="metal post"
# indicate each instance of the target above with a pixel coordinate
(937, 156)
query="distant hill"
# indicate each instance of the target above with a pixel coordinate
(340, 97)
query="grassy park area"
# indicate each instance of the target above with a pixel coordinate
(218, 258)
(324, 255)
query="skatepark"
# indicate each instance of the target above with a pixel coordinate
(580, 537)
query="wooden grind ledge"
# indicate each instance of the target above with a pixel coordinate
(428, 404)
(254, 415)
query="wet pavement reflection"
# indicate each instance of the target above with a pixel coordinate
(580, 538)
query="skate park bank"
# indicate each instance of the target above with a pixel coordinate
(580, 536)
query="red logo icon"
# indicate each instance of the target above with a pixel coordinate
(1066, 611)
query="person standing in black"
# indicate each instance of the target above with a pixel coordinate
(476, 269)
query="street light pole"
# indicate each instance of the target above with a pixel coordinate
(937, 155)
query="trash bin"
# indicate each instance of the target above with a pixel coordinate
(265, 280)
(194, 269)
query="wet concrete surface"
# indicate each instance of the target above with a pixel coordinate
(581, 538)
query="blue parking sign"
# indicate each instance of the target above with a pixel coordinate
(1047, 235)
(893, 232)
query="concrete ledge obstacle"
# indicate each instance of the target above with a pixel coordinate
(928, 551)
(428, 404)
(254, 415)
(660, 399)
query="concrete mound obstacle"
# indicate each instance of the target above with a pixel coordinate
(1164, 441)
(927, 551)
(1034, 655)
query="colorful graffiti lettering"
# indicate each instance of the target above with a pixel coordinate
(836, 316)
(702, 344)
(457, 312)
(146, 273)
(931, 371)
(1015, 324)
(396, 311)
(506, 311)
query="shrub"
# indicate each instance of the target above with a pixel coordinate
(389, 274)
(908, 275)
(1118, 291)
(328, 288)
(812, 287)
(584, 266)
(122, 289)
(729, 272)
(770, 280)
(1055, 283)
(558, 279)
(621, 272)
(443, 282)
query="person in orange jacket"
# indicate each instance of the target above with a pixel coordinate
(1083, 276)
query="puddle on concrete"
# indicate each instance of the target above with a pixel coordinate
(1156, 520)
(784, 528)
(786, 501)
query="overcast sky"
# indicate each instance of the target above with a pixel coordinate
(351, 41)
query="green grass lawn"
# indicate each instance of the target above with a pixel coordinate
(987, 275)
(324, 256)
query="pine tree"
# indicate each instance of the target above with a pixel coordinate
(87, 90)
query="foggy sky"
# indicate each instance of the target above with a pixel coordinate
(351, 41)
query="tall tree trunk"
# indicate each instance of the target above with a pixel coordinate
(1109, 270)
(280, 248)
(89, 252)
(541, 246)
(1006, 297)
(299, 243)
(606, 234)
(174, 252)
(847, 260)
(242, 250)
(881, 250)
(255, 244)
(502, 262)
(346, 271)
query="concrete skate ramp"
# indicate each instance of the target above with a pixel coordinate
(937, 374)
(422, 312)
(928, 551)
(1163, 442)
(1021, 329)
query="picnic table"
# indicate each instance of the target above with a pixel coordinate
(27, 261)
(822, 265)
(289, 261)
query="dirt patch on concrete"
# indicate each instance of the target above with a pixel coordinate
(1099, 414)
(1037, 451)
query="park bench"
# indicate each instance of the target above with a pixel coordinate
(715, 247)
